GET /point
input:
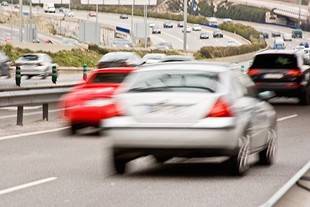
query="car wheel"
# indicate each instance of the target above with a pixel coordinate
(240, 162)
(119, 165)
(304, 99)
(74, 128)
(267, 156)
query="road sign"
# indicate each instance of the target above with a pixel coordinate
(50, 1)
(120, 2)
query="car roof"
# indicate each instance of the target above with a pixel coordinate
(117, 69)
(177, 58)
(196, 65)
(277, 52)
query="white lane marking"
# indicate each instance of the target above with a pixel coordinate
(30, 114)
(32, 133)
(287, 117)
(283, 190)
(27, 185)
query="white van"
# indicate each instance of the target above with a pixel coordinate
(49, 8)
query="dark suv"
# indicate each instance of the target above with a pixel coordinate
(283, 72)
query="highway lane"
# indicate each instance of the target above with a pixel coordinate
(83, 174)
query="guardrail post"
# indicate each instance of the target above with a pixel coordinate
(54, 74)
(20, 115)
(18, 76)
(85, 69)
(45, 112)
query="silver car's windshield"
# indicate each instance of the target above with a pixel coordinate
(176, 81)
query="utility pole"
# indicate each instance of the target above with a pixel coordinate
(132, 14)
(96, 30)
(11, 20)
(145, 26)
(30, 30)
(299, 14)
(21, 25)
(185, 25)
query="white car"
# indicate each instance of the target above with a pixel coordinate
(287, 37)
(227, 20)
(36, 64)
(191, 109)
(188, 29)
(152, 25)
(197, 27)
(152, 58)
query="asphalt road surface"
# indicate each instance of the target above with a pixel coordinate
(53, 169)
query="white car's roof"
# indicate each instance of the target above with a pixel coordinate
(192, 65)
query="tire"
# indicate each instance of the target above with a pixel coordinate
(74, 129)
(304, 98)
(267, 156)
(119, 165)
(240, 162)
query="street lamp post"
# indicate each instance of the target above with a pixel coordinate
(185, 25)
(21, 25)
(299, 14)
(132, 14)
(145, 26)
(96, 30)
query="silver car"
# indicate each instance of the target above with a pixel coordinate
(192, 110)
(36, 64)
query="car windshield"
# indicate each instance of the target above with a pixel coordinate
(275, 61)
(29, 58)
(176, 81)
(109, 78)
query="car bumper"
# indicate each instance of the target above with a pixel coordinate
(210, 134)
(282, 89)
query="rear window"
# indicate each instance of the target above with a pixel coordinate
(176, 81)
(109, 78)
(30, 57)
(275, 61)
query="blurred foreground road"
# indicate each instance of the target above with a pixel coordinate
(61, 170)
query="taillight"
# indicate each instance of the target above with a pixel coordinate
(253, 72)
(294, 72)
(220, 109)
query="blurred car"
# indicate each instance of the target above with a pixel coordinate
(227, 20)
(119, 59)
(305, 44)
(123, 16)
(188, 29)
(297, 33)
(278, 44)
(4, 3)
(299, 48)
(48, 42)
(264, 35)
(180, 24)
(4, 65)
(156, 30)
(35, 64)
(306, 55)
(192, 110)
(151, 25)
(276, 34)
(168, 25)
(92, 14)
(218, 34)
(121, 43)
(68, 13)
(176, 58)
(151, 58)
(164, 46)
(204, 36)
(287, 37)
(90, 102)
(16, 6)
(197, 28)
(282, 71)
(36, 41)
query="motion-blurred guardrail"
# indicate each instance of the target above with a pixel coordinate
(32, 96)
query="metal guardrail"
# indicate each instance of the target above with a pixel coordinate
(32, 96)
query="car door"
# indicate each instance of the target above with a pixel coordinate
(255, 108)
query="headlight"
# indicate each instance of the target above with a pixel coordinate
(98, 102)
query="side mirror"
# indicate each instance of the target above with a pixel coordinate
(266, 95)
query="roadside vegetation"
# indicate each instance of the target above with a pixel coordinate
(247, 32)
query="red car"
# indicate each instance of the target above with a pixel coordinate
(90, 102)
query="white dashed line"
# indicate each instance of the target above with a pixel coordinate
(27, 185)
(287, 117)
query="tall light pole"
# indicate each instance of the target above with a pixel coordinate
(30, 32)
(21, 25)
(145, 26)
(96, 30)
(299, 14)
(185, 25)
(132, 14)
(12, 20)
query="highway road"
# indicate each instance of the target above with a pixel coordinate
(49, 168)
(173, 36)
